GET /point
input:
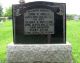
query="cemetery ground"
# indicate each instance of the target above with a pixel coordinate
(72, 36)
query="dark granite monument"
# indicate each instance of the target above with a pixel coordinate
(39, 30)
(39, 23)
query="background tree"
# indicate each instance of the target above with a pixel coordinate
(8, 12)
(1, 10)
(70, 16)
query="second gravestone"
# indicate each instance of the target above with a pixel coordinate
(39, 23)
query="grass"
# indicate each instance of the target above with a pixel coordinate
(5, 38)
(73, 36)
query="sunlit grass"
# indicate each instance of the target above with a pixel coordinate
(73, 36)
(5, 38)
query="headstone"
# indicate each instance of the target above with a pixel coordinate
(39, 23)
(37, 26)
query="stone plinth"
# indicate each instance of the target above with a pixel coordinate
(39, 53)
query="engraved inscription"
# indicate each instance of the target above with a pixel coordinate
(39, 21)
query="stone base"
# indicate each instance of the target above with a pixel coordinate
(39, 53)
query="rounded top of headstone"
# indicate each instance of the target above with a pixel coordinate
(22, 1)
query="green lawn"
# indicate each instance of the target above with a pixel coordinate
(5, 38)
(73, 36)
(73, 32)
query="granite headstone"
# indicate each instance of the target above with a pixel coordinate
(39, 23)
(39, 30)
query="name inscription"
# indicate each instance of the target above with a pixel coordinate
(39, 21)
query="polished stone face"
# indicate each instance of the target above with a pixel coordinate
(39, 23)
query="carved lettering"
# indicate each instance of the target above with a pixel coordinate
(39, 21)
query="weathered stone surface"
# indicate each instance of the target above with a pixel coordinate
(39, 53)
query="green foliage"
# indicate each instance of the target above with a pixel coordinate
(70, 17)
(1, 10)
(8, 12)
